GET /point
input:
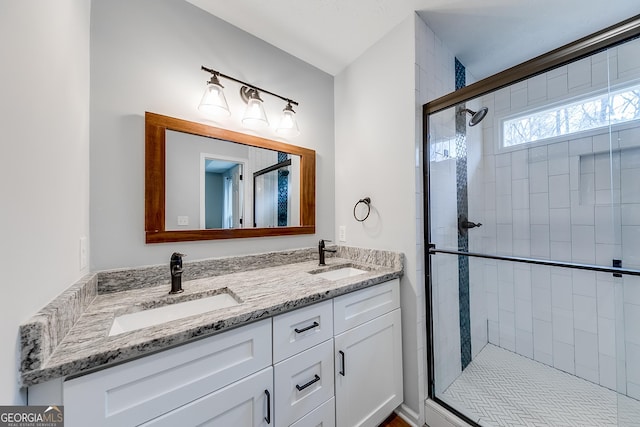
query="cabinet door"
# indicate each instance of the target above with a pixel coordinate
(368, 365)
(246, 403)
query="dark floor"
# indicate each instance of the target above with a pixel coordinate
(394, 421)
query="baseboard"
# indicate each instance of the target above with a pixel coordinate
(408, 415)
(437, 416)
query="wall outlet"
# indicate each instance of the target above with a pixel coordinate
(183, 220)
(342, 233)
(83, 253)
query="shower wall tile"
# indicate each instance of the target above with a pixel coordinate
(579, 73)
(606, 337)
(630, 187)
(631, 288)
(538, 177)
(537, 88)
(541, 304)
(507, 330)
(581, 146)
(560, 251)
(539, 204)
(631, 320)
(524, 343)
(520, 164)
(629, 137)
(504, 239)
(585, 314)
(521, 224)
(606, 299)
(524, 314)
(558, 158)
(538, 154)
(560, 225)
(574, 173)
(559, 193)
(586, 361)
(522, 247)
(583, 243)
(542, 341)
(503, 209)
(584, 283)
(631, 245)
(540, 241)
(503, 180)
(557, 87)
(563, 357)
(607, 365)
(581, 213)
(520, 194)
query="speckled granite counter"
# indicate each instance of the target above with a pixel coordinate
(71, 334)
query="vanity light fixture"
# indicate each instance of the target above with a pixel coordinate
(214, 102)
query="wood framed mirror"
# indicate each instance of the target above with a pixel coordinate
(206, 183)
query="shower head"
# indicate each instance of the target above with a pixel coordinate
(476, 117)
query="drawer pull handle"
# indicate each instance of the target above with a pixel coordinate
(314, 325)
(342, 372)
(302, 387)
(268, 417)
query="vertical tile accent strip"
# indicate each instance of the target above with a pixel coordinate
(283, 192)
(463, 208)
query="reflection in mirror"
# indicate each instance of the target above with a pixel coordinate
(204, 182)
(209, 185)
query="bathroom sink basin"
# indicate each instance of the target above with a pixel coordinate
(156, 316)
(340, 273)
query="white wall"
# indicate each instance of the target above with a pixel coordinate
(375, 103)
(146, 56)
(44, 166)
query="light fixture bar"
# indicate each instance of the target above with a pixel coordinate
(217, 73)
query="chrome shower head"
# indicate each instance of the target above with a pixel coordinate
(476, 116)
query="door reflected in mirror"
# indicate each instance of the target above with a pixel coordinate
(217, 184)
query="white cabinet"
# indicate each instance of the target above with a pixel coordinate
(141, 390)
(368, 356)
(334, 363)
(245, 403)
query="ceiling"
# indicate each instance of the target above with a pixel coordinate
(487, 36)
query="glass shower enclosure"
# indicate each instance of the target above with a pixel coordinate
(534, 260)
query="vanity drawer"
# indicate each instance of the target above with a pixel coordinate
(358, 307)
(303, 382)
(301, 329)
(323, 416)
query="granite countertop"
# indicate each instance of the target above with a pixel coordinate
(56, 345)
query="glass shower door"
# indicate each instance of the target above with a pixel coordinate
(534, 218)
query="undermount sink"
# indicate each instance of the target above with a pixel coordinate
(156, 316)
(340, 273)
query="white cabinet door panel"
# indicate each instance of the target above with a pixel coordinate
(369, 372)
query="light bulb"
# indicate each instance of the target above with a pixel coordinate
(254, 116)
(288, 125)
(213, 101)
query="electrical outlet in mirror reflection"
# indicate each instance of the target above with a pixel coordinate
(183, 220)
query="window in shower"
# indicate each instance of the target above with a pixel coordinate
(594, 112)
(530, 323)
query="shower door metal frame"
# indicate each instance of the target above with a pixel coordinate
(599, 41)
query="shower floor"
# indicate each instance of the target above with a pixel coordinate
(501, 388)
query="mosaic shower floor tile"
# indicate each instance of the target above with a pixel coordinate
(501, 388)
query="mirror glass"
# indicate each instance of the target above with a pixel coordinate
(217, 184)
(204, 182)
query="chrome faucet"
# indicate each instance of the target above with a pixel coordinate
(176, 273)
(322, 250)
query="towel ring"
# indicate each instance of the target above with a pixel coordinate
(366, 201)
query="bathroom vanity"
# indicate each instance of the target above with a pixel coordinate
(303, 346)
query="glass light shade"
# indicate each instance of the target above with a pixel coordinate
(213, 101)
(254, 116)
(288, 124)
